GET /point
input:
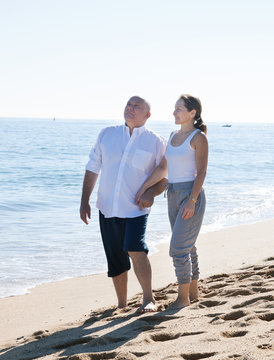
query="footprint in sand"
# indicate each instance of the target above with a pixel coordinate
(237, 292)
(230, 334)
(140, 353)
(197, 356)
(249, 276)
(213, 315)
(211, 303)
(126, 355)
(92, 341)
(218, 285)
(217, 277)
(270, 273)
(261, 289)
(158, 319)
(219, 318)
(166, 336)
(40, 334)
(136, 302)
(113, 355)
(106, 339)
(266, 317)
(159, 297)
(145, 326)
(73, 342)
(265, 346)
(266, 298)
(94, 356)
(100, 315)
(210, 294)
(234, 315)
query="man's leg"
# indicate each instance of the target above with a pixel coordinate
(112, 231)
(135, 245)
(120, 284)
(142, 270)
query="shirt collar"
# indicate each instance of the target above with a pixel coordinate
(136, 131)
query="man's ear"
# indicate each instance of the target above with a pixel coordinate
(148, 115)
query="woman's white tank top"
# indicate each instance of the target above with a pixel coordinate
(181, 161)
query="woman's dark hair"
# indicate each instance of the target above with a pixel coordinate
(193, 103)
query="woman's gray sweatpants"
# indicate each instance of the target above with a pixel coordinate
(184, 232)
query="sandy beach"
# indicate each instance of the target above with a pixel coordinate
(233, 319)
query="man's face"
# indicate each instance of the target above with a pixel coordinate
(136, 112)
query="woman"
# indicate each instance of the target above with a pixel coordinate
(186, 162)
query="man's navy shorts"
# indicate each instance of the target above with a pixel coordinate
(121, 235)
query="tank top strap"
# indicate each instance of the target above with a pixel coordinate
(171, 136)
(190, 137)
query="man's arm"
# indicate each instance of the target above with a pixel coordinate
(88, 186)
(147, 199)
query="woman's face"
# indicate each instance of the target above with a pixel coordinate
(181, 113)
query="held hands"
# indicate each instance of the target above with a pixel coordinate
(85, 213)
(188, 210)
(138, 195)
(144, 199)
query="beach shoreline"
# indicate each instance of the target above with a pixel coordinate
(51, 305)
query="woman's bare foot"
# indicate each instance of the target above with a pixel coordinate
(182, 298)
(179, 304)
(193, 291)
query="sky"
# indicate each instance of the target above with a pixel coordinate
(83, 59)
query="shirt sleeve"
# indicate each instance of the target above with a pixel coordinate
(161, 145)
(95, 156)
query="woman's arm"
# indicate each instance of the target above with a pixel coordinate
(147, 199)
(200, 144)
(158, 174)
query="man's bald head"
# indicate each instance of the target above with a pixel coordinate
(141, 100)
(137, 111)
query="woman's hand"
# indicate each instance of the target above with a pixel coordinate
(146, 200)
(188, 210)
(138, 195)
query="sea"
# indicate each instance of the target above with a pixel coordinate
(42, 163)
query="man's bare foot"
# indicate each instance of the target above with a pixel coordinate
(121, 306)
(148, 306)
(178, 304)
(194, 300)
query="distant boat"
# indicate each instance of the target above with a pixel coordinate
(227, 125)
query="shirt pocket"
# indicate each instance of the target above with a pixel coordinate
(142, 160)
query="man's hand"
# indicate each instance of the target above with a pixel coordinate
(145, 200)
(88, 185)
(85, 213)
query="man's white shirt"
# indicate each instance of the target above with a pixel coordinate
(125, 163)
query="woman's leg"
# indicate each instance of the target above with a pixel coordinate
(193, 289)
(183, 252)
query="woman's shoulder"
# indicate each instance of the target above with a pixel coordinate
(199, 134)
(199, 138)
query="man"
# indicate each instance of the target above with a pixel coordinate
(126, 156)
